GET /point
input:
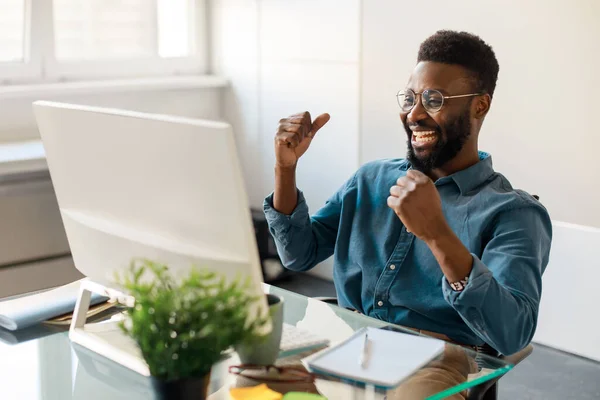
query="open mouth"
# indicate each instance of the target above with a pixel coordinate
(424, 137)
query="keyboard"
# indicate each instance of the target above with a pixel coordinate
(296, 340)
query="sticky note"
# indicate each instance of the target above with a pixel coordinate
(260, 392)
(302, 396)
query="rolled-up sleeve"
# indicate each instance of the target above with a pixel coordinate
(500, 302)
(303, 241)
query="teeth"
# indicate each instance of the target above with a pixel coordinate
(423, 133)
(424, 136)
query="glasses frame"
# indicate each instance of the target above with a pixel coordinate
(403, 92)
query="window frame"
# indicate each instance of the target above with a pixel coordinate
(41, 66)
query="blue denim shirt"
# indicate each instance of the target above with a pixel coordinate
(385, 272)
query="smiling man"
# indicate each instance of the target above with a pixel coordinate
(437, 241)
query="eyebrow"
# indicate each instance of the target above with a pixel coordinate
(442, 91)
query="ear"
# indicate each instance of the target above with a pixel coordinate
(481, 106)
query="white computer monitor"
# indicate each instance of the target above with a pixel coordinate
(133, 185)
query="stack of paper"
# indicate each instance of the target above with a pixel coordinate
(32, 309)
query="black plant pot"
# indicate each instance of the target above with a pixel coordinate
(183, 389)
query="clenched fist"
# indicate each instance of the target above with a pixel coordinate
(416, 201)
(294, 135)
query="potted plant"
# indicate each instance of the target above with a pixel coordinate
(182, 327)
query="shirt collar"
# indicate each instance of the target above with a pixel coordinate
(405, 165)
(469, 178)
(472, 177)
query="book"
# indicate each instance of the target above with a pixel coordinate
(383, 358)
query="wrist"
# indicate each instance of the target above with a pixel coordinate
(454, 258)
(285, 170)
(439, 235)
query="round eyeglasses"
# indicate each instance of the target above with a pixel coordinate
(432, 100)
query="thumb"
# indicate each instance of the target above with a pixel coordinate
(318, 124)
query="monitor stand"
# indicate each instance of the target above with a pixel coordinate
(105, 338)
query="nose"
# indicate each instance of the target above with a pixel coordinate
(417, 113)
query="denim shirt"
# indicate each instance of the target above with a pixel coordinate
(384, 271)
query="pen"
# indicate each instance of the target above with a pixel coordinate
(362, 360)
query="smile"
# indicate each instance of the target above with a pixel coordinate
(424, 136)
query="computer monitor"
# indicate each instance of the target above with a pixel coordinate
(136, 185)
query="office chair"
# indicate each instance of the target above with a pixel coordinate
(484, 391)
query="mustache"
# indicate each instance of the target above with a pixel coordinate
(412, 127)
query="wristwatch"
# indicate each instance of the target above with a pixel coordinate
(460, 285)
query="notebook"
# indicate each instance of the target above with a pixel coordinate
(390, 357)
(22, 312)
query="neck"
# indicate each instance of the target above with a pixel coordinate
(463, 160)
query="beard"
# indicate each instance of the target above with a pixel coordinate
(446, 148)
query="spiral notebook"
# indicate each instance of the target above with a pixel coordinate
(385, 359)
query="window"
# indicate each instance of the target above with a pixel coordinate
(12, 30)
(55, 40)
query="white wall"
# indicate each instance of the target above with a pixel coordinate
(542, 127)
(284, 57)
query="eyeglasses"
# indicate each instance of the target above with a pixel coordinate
(272, 373)
(432, 100)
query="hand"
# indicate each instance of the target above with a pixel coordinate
(294, 135)
(416, 201)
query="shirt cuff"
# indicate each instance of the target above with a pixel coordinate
(280, 224)
(477, 283)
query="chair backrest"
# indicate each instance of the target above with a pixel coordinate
(568, 318)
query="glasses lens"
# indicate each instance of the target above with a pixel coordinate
(406, 100)
(432, 100)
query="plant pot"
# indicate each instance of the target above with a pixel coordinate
(182, 389)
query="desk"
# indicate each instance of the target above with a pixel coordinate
(41, 362)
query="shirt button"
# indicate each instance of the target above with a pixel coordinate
(392, 267)
(380, 303)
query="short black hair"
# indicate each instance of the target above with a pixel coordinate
(466, 50)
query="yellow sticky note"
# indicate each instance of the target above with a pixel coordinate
(260, 392)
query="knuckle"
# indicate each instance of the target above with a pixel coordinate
(294, 128)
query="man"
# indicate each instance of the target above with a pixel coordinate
(437, 241)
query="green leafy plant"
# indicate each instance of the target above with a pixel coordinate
(182, 327)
